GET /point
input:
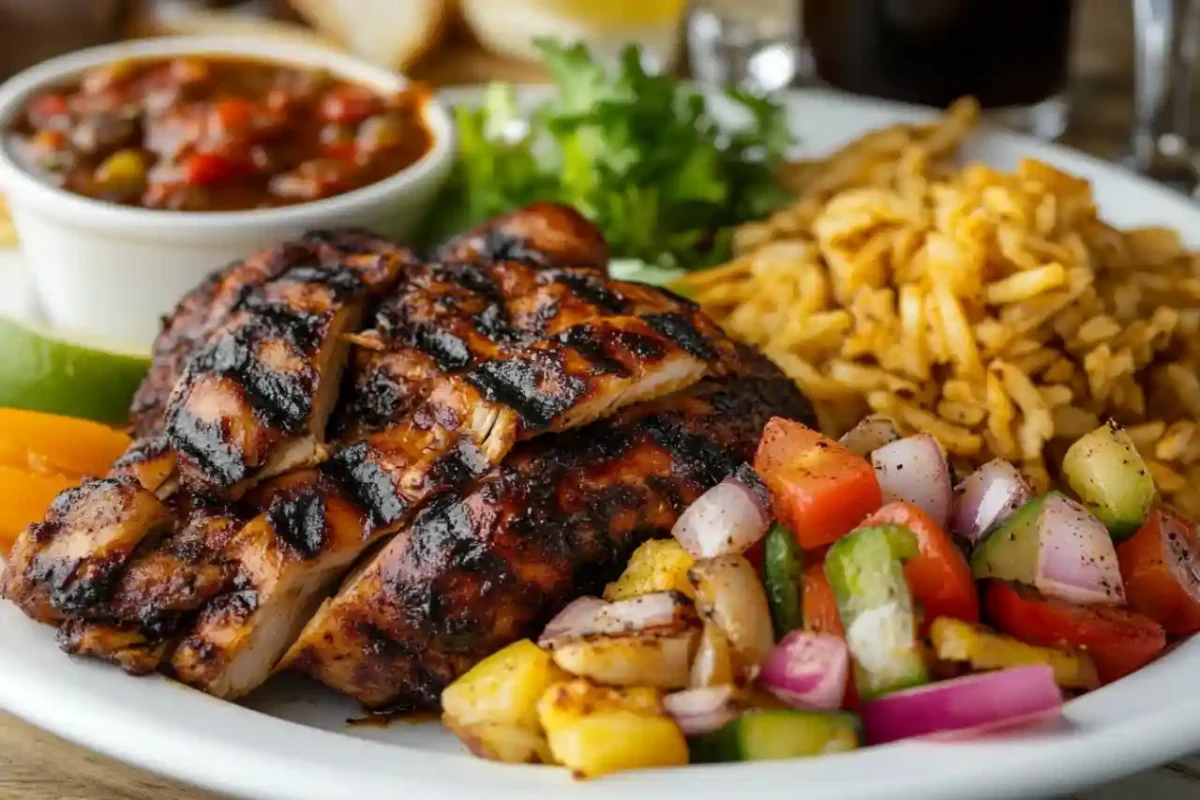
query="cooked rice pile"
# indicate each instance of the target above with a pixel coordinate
(994, 310)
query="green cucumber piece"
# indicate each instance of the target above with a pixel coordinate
(1010, 552)
(866, 571)
(773, 734)
(783, 573)
(1110, 477)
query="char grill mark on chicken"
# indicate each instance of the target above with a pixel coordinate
(542, 234)
(198, 315)
(254, 398)
(477, 570)
(469, 358)
(560, 348)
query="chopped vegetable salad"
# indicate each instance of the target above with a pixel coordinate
(888, 602)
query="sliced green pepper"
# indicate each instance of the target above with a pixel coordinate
(1110, 477)
(783, 571)
(866, 571)
(773, 734)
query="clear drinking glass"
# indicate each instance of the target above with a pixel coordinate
(752, 43)
(1166, 46)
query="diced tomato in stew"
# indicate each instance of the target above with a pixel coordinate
(219, 133)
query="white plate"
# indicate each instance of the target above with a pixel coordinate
(291, 741)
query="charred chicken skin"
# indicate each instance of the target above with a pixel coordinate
(219, 534)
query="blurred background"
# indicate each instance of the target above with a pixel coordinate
(1087, 70)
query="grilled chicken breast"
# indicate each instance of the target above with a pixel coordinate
(234, 515)
(254, 399)
(474, 357)
(480, 569)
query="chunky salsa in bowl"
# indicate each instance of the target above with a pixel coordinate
(216, 133)
(134, 170)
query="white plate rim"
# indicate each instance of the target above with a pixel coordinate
(177, 732)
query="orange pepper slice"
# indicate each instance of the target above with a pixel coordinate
(26, 496)
(50, 444)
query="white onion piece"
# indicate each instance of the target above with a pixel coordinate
(704, 710)
(579, 615)
(989, 496)
(1076, 558)
(915, 469)
(964, 707)
(728, 518)
(590, 616)
(808, 671)
(870, 434)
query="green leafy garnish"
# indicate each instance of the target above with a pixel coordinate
(638, 154)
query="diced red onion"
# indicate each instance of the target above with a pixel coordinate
(578, 615)
(808, 670)
(728, 518)
(591, 616)
(1077, 561)
(703, 710)
(915, 469)
(870, 434)
(964, 707)
(989, 495)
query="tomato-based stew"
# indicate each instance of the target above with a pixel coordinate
(198, 133)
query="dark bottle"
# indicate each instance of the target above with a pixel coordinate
(1004, 52)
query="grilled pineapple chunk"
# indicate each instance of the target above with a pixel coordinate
(493, 708)
(595, 730)
(659, 565)
(954, 640)
(649, 658)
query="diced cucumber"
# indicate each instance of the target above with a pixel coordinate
(783, 571)
(1110, 477)
(1010, 552)
(773, 734)
(866, 573)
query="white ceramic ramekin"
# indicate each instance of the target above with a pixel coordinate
(108, 270)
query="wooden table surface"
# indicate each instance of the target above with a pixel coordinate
(35, 765)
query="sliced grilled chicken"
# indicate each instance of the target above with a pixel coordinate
(275, 321)
(559, 349)
(254, 399)
(476, 571)
(205, 308)
(70, 562)
(543, 234)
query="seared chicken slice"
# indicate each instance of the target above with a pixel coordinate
(543, 234)
(254, 399)
(478, 570)
(70, 562)
(205, 308)
(287, 560)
